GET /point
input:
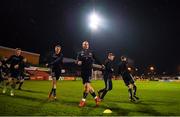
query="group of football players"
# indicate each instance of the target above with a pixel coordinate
(12, 72)
(85, 59)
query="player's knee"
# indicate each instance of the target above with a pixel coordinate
(86, 88)
(130, 86)
(91, 89)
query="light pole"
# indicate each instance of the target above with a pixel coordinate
(151, 68)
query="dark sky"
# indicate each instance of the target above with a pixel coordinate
(147, 31)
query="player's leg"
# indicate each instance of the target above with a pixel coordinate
(53, 89)
(21, 83)
(2, 79)
(126, 77)
(130, 90)
(52, 92)
(104, 91)
(18, 81)
(55, 86)
(6, 83)
(134, 91)
(85, 81)
(55, 79)
(85, 94)
(100, 92)
(89, 87)
(13, 86)
(108, 88)
(133, 87)
(92, 92)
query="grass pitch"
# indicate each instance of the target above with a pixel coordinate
(156, 98)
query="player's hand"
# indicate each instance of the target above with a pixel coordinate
(79, 62)
(102, 66)
(16, 66)
(8, 65)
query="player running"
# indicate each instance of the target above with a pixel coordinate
(14, 62)
(128, 79)
(107, 76)
(85, 59)
(1, 72)
(4, 71)
(22, 66)
(55, 64)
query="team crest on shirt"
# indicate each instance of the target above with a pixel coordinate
(82, 53)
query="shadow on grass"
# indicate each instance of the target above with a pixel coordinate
(84, 111)
(143, 108)
(69, 103)
(31, 91)
(28, 98)
(146, 108)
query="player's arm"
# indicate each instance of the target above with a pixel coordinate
(108, 66)
(59, 60)
(19, 64)
(78, 59)
(97, 61)
(119, 69)
(9, 60)
(23, 64)
(47, 59)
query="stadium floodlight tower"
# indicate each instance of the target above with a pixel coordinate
(94, 21)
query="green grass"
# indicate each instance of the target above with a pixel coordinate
(157, 98)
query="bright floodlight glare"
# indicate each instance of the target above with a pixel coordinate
(94, 21)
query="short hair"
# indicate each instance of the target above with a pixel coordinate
(85, 41)
(18, 49)
(110, 54)
(58, 46)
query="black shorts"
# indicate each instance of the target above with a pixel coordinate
(55, 74)
(86, 76)
(15, 74)
(128, 79)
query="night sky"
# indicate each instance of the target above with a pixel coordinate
(146, 31)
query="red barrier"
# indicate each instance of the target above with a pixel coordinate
(38, 75)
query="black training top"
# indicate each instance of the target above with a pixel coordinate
(123, 68)
(88, 58)
(22, 66)
(56, 61)
(108, 66)
(14, 60)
